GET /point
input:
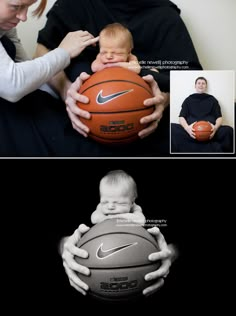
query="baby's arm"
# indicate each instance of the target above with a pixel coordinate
(131, 64)
(134, 64)
(130, 217)
(97, 216)
(97, 64)
(133, 60)
(135, 215)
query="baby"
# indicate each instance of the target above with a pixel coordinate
(116, 44)
(118, 192)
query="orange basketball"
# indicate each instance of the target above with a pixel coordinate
(202, 130)
(116, 105)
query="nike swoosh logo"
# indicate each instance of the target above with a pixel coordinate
(102, 254)
(104, 99)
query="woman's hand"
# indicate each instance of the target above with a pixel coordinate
(74, 112)
(68, 251)
(75, 42)
(160, 100)
(165, 255)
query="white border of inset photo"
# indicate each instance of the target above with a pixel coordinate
(220, 84)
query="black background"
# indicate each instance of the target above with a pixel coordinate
(41, 202)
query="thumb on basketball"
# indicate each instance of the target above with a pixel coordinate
(212, 126)
(83, 229)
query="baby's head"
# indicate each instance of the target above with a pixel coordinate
(116, 43)
(118, 192)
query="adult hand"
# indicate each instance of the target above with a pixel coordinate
(68, 251)
(213, 130)
(75, 42)
(190, 130)
(72, 108)
(216, 126)
(160, 100)
(165, 255)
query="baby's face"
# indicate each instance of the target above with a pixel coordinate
(113, 201)
(112, 51)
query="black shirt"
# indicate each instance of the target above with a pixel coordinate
(200, 106)
(160, 37)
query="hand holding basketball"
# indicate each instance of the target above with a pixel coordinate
(189, 129)
(74, 112)
(214, 130)
(160, 100)
(69, 250)
(164, 256)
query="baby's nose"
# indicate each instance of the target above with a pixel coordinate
(111, 206)
(109, 56)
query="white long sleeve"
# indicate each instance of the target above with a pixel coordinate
(20, 52)
(19, 79)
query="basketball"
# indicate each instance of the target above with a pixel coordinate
(116, 105)
(118, 259)
(202, 130)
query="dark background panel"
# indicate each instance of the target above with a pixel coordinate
(43, 201)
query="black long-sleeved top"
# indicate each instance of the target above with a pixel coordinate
(160, 37)
(200, 106)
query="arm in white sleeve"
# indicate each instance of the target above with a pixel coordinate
(20, 52)
(19, 79)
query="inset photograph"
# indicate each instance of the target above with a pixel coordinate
(202, 105)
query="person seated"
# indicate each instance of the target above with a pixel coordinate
(201, 106)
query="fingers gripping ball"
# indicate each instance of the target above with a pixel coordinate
(118, 259)
(202, 130)
(116, 105)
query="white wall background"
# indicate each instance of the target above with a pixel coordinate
(28, 31)
(211, 24)
(220, 85)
